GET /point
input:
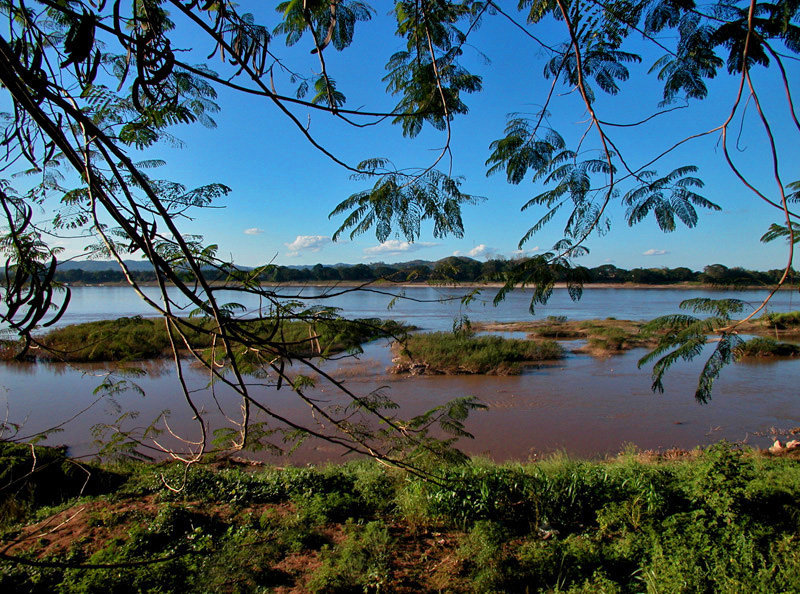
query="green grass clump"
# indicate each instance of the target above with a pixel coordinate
(444, 352)
(612, 336)
(609, 338)
(553, 327)
(123, 339)
(782, 321)
(765, 347)
(137, 338)
(359, 564)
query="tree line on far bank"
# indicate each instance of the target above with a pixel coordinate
(462, 269)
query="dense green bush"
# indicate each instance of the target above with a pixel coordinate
(782, 321)
(765, 347)
(359, 564)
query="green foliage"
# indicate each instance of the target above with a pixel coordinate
(430, 84)
(123, 339)
(611, 338)
(782, 232)
(687, 335)
(481, 554)
(680, 202)
(521, 150)
(455, 269)
(721, 481)
(694, 61)
(782, 321)
(426, 451)
(327, 24)
(765, 347)
(444, 352)
(397, 202)
(472, 493)
(542, 272)
(725, 519)
(32, 476)
(130, 339)
(360, 563)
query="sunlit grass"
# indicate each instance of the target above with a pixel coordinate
(137, 338)
(450, 353)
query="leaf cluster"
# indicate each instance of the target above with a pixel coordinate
(684, 337)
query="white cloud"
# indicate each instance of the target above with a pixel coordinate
(395, 246)
(479, 251)
(310, 243)
(653, 252)
(253, 231)
(523, 253)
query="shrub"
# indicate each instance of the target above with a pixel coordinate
(359, 564)
(765, 347)
(49, 478)
(782, 321)
(443, 352)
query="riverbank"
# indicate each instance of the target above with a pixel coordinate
(723, 518)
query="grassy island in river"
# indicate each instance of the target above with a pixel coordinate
(453, 353)
(137, 338)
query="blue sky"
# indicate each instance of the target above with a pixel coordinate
(283, 190)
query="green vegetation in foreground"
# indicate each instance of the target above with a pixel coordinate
(457, 353)
(128, 339)
(719, 520)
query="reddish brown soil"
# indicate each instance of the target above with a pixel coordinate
(90, 524)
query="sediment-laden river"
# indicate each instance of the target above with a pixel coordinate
(582, 405)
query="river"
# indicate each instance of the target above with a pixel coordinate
(582, 405)
(431, 307)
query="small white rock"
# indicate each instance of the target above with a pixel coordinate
(776, 447)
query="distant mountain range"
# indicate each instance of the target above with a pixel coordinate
(98, 265)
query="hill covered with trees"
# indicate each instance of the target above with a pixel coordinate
(451, 269)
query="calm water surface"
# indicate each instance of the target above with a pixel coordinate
(433, 307)
(582, 405)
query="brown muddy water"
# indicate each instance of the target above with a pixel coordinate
(581, 405)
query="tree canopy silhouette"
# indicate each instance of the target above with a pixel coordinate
(89, 83)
